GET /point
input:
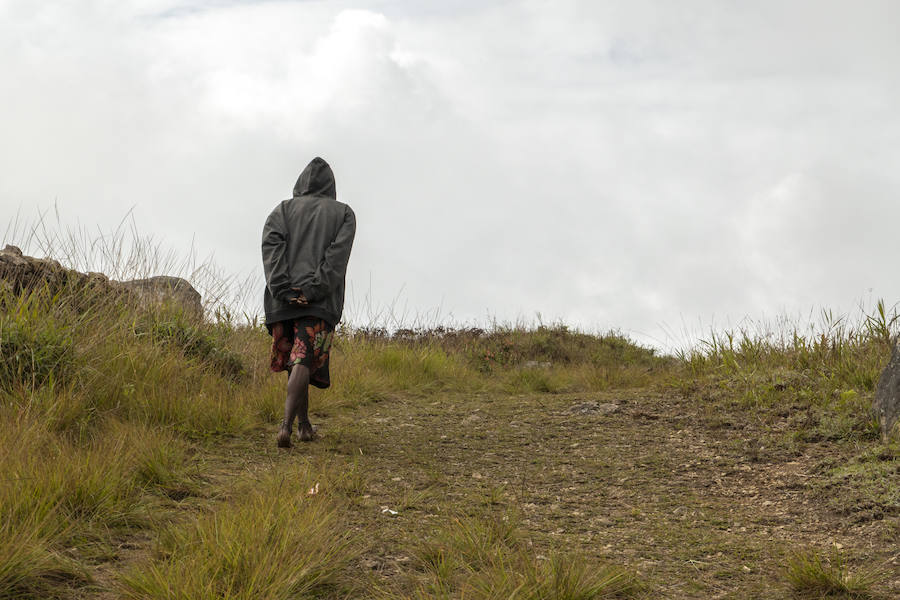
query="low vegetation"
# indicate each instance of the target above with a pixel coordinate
(270, 540)
(810, 575)
(137, 461)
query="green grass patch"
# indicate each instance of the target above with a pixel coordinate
(30, 567)
(35, 347)
(62, 501)
(273, 540)
(204, 342)
(486, 557)
(812, 576)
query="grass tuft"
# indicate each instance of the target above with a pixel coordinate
(486, 557)
(35, 348)
(29, 566)
(199, 341)
(810, 575)
(272, 541)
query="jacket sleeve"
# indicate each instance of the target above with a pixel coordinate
(274, 256)
(333, 267)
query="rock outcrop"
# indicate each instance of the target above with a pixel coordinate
(21, 273)
(161, 288)
(887, 396)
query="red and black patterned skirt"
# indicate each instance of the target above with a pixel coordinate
(304, 341)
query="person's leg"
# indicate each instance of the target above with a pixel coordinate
(297, 395)
(296, 404)
(284, 432)
(301, 390)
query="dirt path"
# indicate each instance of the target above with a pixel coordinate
(702, 504)
(701, 510)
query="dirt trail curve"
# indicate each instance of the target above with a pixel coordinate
(695, 502)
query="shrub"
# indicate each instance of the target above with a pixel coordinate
(34, 350)
(204, 342)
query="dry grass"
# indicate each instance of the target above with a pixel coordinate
(487, 557)
(509, 479)
(270, 540)
(812, 576)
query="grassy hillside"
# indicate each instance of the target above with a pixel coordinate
(138, 460)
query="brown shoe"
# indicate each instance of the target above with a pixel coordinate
(284, 436)
(306, 432)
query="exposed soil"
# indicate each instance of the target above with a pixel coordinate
(657, 483)
(701, 502)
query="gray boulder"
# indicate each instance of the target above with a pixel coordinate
(887, 396)
(20, 273)
(163, 288)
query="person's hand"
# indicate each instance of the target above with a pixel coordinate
(300, 299)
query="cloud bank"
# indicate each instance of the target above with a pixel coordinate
(631, 165)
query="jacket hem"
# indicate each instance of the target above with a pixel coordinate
(300, 311)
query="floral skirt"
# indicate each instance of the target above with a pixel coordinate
(304, 341)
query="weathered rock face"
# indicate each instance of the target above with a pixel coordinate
(887, 396)
(19, 273)
(163, 287)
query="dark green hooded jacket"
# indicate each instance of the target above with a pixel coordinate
(306, 244)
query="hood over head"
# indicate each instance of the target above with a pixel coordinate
(317, 179)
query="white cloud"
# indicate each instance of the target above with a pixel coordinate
(614, 164)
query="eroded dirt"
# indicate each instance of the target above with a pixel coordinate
(700, 501)
(645, 480)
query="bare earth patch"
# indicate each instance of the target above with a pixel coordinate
(699, 503)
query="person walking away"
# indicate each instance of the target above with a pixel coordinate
(306, 245)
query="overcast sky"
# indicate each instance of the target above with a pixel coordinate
(640, 165)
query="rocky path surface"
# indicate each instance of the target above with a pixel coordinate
(700, 504)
